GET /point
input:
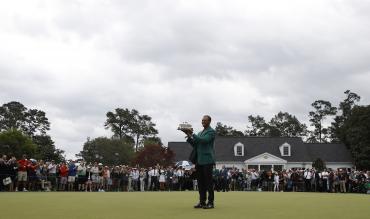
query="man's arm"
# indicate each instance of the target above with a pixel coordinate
(190, 140)
(208, 137)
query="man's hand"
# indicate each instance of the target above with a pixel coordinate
(188, 132)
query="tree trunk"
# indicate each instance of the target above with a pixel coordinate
(320, 133)
(137, 142)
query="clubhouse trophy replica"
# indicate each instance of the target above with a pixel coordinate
(185, 127)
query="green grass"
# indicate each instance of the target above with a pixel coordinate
(178, 205)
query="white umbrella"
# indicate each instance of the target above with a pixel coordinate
(184, 163)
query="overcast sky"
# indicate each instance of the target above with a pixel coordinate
(177, 60)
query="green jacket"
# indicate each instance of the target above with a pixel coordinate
(203, 144)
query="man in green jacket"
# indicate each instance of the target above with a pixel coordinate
(204, 158)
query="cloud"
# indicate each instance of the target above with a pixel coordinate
(178, 60)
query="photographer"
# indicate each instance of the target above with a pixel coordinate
(3, 172)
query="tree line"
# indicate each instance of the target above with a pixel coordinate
(284, 124)
(350, 125)
(135, 140)
(25, 131)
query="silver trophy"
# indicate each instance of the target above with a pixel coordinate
(185, 127)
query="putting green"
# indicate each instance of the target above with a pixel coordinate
(178, 205)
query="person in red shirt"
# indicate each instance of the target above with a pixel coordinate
(22, 173)
(63, 173)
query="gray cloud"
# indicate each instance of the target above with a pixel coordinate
(178, 60)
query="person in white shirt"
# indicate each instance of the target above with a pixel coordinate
(95, 176)
(276, 182)
(52, 175)
(325, 180)
(162, 179)
(88, 185)
(81, 176)
(307, 180)
(150, 174)
(142, 179)
(129, 185)
(135, 179)
(154, 180)
(180, 177)
(254, 182)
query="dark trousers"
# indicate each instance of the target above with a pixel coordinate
(154, 183)
(205, 182)
(307, 183)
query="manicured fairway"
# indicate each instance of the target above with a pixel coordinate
(178, 205)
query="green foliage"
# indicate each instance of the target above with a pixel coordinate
(153, 154)
(322, 109)
(286, 125)
(258, 126)
(319, 164)
(345, 109)
(224, 130)
(107, 151)
(125, 122)
(356, 135)
(16, 121)
(15, 143)
(46, 149)
(120, 122)
(152, 140)
(281, 125)
(14, 115)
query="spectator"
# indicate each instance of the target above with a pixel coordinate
(101, 178)
(254, 177)
(142, 179)
(276, 182)
(129, 185)
(123, 178)
(116, 178)
(307, 180)
(162, 179)
(12, 172)
(22, 173)
(95, 176)
(72, 171)
(342, 181)
(169, 178)
(81, 176)
(52, 175)
(106, 179)
(3, 172)
(180, 177)
(88, 185)
(135, 179)
(32, 176)
(325, 180)
(63, 174)
(154, 179)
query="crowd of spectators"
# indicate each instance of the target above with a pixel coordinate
(295, 180)
(38, 175)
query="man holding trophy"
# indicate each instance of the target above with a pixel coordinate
(202, 156)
